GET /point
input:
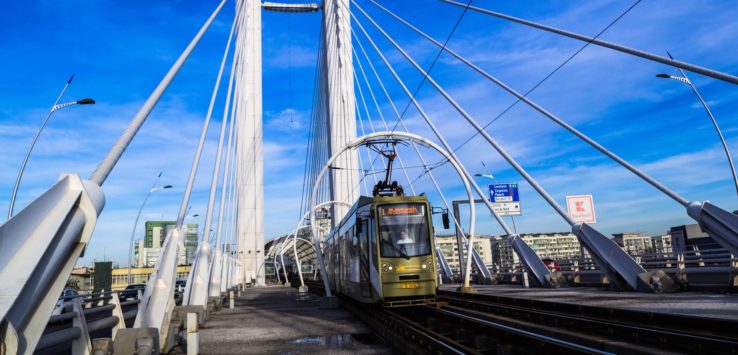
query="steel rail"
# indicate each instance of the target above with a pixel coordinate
(708, 327)
(508, 332)
(630, 333)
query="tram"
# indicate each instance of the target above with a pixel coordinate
(383, 251)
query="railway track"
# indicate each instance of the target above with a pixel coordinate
(480, 324)
(430, 329)
(620, 331)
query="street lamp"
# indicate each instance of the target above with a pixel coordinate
(133, 233)
(685, 79)
(56, 106)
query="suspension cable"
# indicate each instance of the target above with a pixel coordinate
(546, 196)
(556, 119)
(432, 126)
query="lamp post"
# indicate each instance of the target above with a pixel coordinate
(55, 107)
(133, 233)
(685, 79)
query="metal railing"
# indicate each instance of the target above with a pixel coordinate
(694, 269)
(83, 318)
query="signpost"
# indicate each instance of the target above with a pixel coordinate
(581, 208)
(505, 199)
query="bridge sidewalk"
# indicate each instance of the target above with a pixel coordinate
(276, 320)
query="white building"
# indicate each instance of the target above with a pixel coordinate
(555, 246)
(147, 250)
(635, 243)
(662, 244)
(450, 250)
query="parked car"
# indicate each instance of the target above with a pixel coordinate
(66, 296)
(179, 287)
(131, 292)
(552, 265)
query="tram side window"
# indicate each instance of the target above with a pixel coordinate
(373, 241)
(355, 242)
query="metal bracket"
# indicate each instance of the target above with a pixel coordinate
(82, 344)
(622, 272)
(196, 290)
(157, 302)
(721, 225)
(542, 276)
(117, 312)
(216, 271)
(38, 249)
(448, 275)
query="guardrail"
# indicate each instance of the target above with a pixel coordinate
(83, 318)
(714, 269)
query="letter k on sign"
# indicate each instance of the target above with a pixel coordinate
(579, 207)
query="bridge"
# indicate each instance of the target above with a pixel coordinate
(357, 127)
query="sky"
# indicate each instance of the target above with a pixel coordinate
(119, 51)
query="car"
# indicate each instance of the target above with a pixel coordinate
(552, 265)
(179, 287)
(131, 291)
(69, 292)
(66, 296)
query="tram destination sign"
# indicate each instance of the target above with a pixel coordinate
(401, 210)
(505, 199)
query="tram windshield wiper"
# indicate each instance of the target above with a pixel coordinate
(402, 252)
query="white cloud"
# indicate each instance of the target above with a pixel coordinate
(288, 119)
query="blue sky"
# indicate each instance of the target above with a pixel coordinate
(120, 50)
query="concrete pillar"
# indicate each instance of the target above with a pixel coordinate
(193, 336)
(341, 118)
(250, 177)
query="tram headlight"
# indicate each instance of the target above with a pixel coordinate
(387, 267)
(427, 265)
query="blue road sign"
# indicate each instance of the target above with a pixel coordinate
(505, 199)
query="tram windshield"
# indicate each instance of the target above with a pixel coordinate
(403, 230)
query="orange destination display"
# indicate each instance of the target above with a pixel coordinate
(401, 210)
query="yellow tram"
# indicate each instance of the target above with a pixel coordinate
(383, 251)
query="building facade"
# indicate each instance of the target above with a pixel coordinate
(635, 244)
(690, 237)
(557, 246)
(147, 250)
(663, 244)
(449, 247)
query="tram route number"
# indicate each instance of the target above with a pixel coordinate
(410, 285)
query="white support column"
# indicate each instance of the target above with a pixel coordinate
(250, 178)
(338, 71)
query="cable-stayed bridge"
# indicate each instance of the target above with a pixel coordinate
(357, 129)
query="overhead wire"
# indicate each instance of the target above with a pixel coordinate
(540, 82)
(435, 60)
(550, 74)
(379, 112)
(427, 119)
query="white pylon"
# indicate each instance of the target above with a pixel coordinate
(338, 71)
(250, 177)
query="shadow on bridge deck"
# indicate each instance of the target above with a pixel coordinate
(273, 320)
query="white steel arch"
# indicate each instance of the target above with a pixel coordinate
(399, 136)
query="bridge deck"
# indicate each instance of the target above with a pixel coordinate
(277, 320)
(724, 306)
